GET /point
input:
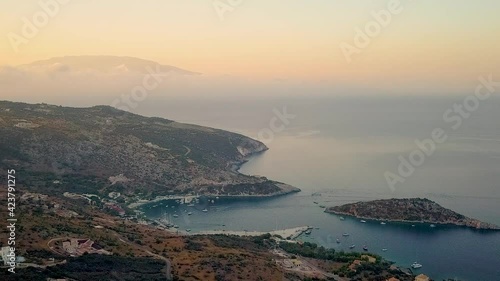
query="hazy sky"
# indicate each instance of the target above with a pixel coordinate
(428, 45)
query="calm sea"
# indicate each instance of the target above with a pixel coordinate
(337, 151)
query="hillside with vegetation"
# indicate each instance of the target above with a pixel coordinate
(99, 150)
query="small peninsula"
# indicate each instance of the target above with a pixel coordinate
(408, 210)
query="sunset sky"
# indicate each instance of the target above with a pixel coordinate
(429, 44)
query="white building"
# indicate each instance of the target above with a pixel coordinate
(3, 253)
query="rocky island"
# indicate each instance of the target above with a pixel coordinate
(414, 210)
(102, 150)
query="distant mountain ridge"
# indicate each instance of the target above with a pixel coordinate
(106, 64)
(408, 210)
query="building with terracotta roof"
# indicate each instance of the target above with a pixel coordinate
(422, 277)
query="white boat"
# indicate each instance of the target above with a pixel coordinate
(416, 265)
(384, 250)
(383, 223)
(433, 225)
(362, 221)
(190, 205)
(338, 241)
(352, 246)
(342, 218)
(175, 216)
(204, 210)
(345, 234)
(190, 213)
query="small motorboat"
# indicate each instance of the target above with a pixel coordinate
(342, 218)
(352, 246)
(175, 216)
(190, 213)
(338, 241)
(176, 226)
(383, 223)
(204, 210)
(365, 248)
(433, 225)
(362, 221)
(308, 232)
(384, 250)
(416, 265)
(345, 234)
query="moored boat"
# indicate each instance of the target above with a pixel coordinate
(416, 265)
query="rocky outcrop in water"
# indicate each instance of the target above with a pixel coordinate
(408, 210)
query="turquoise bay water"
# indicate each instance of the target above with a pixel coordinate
(336, 151)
